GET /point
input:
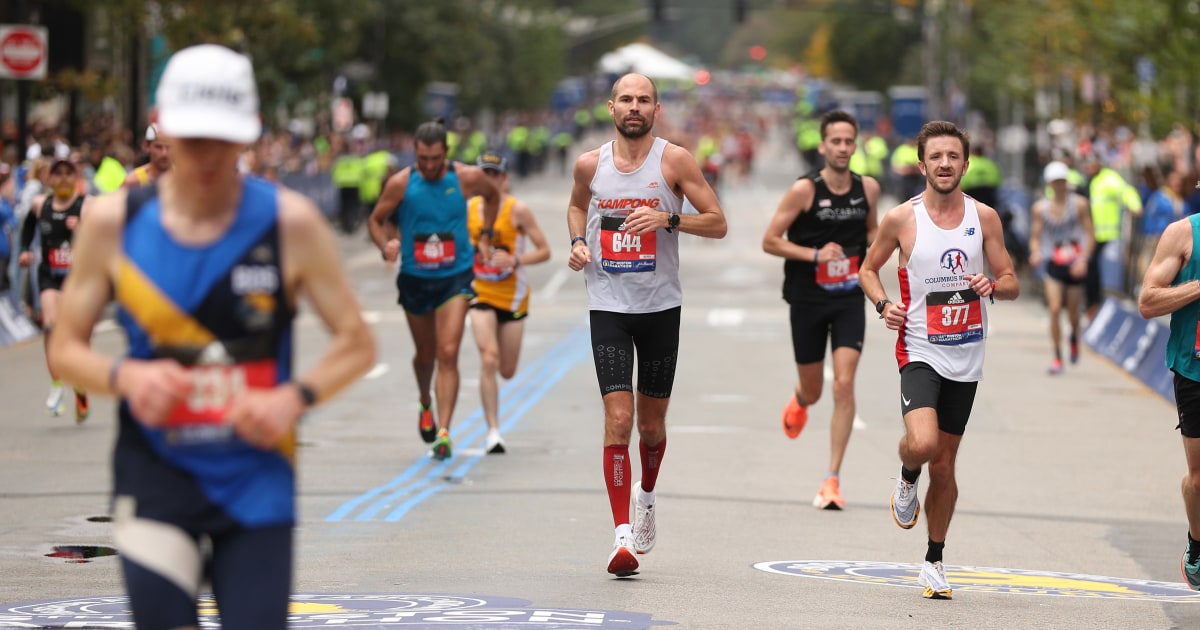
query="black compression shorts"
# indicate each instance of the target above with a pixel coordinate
(654, 336)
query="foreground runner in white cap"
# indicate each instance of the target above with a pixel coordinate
(206, 266)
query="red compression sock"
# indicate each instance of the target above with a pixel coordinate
(616, 476)
(651, 460)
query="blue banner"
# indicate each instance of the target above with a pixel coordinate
(317, 187)
(1136, 345)
(14, 326)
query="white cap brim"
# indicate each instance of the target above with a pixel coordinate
(202, 122)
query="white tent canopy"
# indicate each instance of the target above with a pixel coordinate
(647, 60)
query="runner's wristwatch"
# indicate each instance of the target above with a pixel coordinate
(673, 221)
(880, 305)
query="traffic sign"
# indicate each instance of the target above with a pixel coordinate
(1145, 70)
(24, 51)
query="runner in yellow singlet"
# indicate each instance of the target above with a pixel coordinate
(502, 289)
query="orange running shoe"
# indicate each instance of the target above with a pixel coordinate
(427, 425)
(82, 409)
(1055, 367)
(794, 418)
(830, 496)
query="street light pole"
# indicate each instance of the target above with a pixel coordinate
(22, 90)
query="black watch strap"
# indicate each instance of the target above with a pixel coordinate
(307, 394)
(882, 304)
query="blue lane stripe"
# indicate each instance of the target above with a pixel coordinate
(510, 395)
(385, 501)
(564, 366)
(346, 508)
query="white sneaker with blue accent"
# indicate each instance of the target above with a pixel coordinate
(905, 505)
(56, 401)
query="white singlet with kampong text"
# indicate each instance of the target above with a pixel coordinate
(631, 273)
(947, 321)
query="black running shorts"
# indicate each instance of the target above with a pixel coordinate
(49, 281)
(842, 321)
(921, 386)
(1187, 403)
(421, 296)
(654, 336)
(502, 316)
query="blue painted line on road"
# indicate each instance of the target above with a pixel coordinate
(461, 441)
(516, 398)
(564, 366)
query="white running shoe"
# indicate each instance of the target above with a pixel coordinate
(644, 531)
(494, 445)
(622, 562)
(56, 401)
(905, 505)
(933, 578)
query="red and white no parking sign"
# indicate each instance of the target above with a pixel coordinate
(24, 51)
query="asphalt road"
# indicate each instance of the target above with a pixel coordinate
(1069, 513)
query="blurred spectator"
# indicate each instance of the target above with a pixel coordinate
(8, 225)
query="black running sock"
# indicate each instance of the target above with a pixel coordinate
(935, 551)
(1193, 550)
(910, 476)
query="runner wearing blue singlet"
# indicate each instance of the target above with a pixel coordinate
(421, 219)
(205, 267)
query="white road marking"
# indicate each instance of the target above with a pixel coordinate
(379, 370)
(696, 428)
(736, 399)
(726, 317)
(550, 291)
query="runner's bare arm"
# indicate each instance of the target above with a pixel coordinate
(1035, 232)
(577, 210)
(524, 220)
(476, 183)
(1174, 249)
(311, 259)
(379, 224)
(1085, 222)
(680, 169)
(795, 201)
(1004, 285)
(86, 291)
(871, 187)
(887, 241)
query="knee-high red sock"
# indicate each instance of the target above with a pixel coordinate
(651, 459)
(616, 476)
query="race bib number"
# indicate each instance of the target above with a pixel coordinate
(60, 259)
(837, 276)
(954, 317)
(622, 252)
(215, 387)
(489, 273)
(434, 251)
(1196, 348)
(1066, 252)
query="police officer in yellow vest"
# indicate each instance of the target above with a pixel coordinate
(983, 178)
(1109, 195)
(347, 175)
(374, 171)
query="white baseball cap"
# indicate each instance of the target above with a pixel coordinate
(1055, 171)
(208, 91)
